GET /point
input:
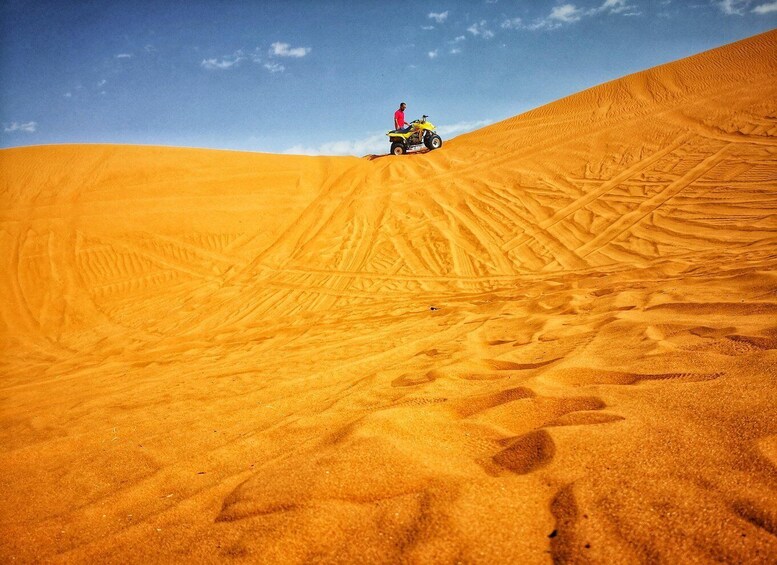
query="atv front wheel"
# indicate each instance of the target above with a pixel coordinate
(397, 148)
(434, 142)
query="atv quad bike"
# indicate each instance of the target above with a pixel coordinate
(419, 133)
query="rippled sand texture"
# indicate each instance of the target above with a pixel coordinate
(555, 339)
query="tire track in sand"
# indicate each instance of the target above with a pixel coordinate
(603, 189)
(647, 207)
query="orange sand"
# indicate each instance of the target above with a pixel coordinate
(212, 356)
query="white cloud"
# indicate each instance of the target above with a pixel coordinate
(766, 8)
(459, 38)
(102, 83)
(285, 50)
(615, 6)
(124, 56)
(27, 127)
(68, 95)
(224, 63)
(621, 7)
(567, 13)
(214, 63)
(512, 23)
(455, 51)
(433, 54)
(439, 17)
(479, 29)
(733, 7)
(274, 67)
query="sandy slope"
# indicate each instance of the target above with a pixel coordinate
(553, 340)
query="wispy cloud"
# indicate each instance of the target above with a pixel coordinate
(766, 8)
(733, 7)
(566, 14)
(480, 29)
(280, 49)
(439, 17)
(257, 56)
(124, 56)
(26, 127)
(433, 54)
(615, 6)
(740, 7)
(622, 7)
(224, 63)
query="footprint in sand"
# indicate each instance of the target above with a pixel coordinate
(584, 419)
(418, 402)
(760, 517)
(577, 411)
(705, 331)
(476, 370)
(469, 406)
(563, 538)
(731, 344)
(502, 365)
(754, 343)
(526, 453)
(582, 376)
(533, 450)
(413, 379)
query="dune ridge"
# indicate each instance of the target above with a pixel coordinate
(553, 340)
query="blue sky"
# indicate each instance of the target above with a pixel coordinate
(324, 76)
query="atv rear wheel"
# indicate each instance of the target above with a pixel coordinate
(434, 142)
(397, 148)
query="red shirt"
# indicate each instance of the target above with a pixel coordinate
(399, 119)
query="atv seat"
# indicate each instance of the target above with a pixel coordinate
(407, 129)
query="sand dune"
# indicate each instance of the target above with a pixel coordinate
(555, 339)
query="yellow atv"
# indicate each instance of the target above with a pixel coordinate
(417, 134)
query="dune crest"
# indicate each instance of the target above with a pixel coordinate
(552, 340)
